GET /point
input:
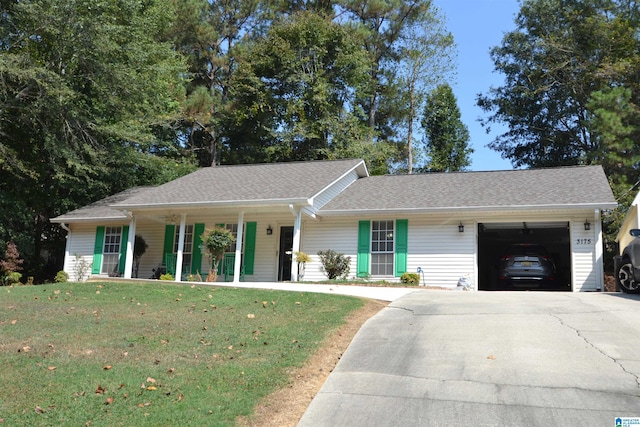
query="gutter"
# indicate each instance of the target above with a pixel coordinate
(452, 209)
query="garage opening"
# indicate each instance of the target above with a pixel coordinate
(495, 240)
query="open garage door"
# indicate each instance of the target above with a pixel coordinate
(495, 238)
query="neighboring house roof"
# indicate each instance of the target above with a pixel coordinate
(102, 208)
(553, 188)
(258, 184)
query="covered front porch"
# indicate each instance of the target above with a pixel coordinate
(263, 251)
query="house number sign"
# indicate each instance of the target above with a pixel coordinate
(583, 241)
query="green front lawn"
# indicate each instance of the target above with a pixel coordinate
(124, 354)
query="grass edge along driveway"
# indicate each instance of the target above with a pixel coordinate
(119, 354)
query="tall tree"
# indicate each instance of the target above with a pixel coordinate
(85, 90)
(303, 73)
(383, 23)
(210, 34)
(426, 56)
(562, 66)
(447, 138)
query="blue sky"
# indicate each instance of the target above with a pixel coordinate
(477, 26)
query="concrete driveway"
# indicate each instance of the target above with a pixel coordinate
(489, 359)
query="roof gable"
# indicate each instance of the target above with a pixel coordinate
(269, 183)
(579, 186)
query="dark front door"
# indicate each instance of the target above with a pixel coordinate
(286, 245)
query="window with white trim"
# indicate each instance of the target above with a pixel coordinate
(111, 250)
(187, 250)
(233, 228)
(382, 248)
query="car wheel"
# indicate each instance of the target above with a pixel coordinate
(628, 283)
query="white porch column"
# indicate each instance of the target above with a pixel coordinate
(598, 251)
(183, 220)
(296, 244)
(131, 240)
(237, 262)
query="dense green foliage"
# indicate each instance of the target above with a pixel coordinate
(572, 87)
(447, 137)
(86, 90)
(153, 353)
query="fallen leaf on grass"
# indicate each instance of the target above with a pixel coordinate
(151, 388)
(100, 389)
(106, 368)
(109, 401)
(492, 357)
(39, 410)
(151, 380)
(251, 316)
(52, 368)
(14, 321)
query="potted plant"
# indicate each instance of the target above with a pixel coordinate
(215, 242)
(301, 259)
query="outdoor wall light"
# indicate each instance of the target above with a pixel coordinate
(587, 225)
(269, 230)
(461, 228)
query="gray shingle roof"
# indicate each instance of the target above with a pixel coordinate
(101, 209)
(579, 186)
(241, 184)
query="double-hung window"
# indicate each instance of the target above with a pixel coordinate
(111, 250)
(382, 248)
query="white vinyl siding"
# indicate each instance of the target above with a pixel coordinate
(585, 271)
(325, 196)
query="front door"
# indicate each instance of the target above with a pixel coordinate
(284, 260)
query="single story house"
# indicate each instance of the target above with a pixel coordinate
(444, 225)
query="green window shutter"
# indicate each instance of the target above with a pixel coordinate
(196, 256)
(169, 232)
(402, 239)
(124, 238)
(97, 250)
(364, 239)
(249, 247)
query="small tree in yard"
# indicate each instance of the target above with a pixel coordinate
(335, 265)
(11, 265)
(215, 242)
